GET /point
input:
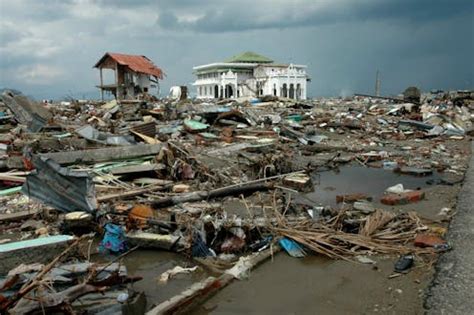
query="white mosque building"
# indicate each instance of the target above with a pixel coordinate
(250, 74)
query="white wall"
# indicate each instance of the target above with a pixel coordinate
(247, 83)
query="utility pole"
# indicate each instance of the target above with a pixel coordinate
(377, 84)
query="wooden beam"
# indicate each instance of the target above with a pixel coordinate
(117, 96)
(104, 154)
(135, 169)
(128, 194)
(101, 84)
(20, 215)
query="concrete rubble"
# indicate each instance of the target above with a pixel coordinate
(225, 183)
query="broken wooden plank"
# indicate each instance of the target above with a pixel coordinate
(128, 194)
(6, 217)
(52, 144)
(12, 178)
(233, 190)
(188, 297)
(104, 154)
(137, 168)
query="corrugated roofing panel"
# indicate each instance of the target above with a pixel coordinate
(136, 63)
(62, 188)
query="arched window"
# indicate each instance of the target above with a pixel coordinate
(292, 91)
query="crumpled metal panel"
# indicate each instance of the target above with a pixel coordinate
(90, 133)
(33, 115)
(60, 187)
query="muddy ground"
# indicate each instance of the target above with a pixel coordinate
(315, 284)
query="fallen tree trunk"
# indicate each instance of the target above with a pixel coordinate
(233, 190)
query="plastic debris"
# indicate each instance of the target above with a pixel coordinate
(113, 240)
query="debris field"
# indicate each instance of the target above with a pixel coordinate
(227, 184)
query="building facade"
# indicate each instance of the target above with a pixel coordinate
(133, 75)
(250, 74)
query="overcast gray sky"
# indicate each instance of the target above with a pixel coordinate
(48, 48)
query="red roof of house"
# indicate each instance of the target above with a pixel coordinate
(136, 63)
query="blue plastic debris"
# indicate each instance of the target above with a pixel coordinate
(255, 101)
(114, 239)
(199, 248)
(292, 248)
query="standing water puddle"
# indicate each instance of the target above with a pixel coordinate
(357, 179)
(150, 264)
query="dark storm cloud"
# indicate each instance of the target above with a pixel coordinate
(234, 18)
(419, 11)
(48, 47)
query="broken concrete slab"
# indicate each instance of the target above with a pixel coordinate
(40, 250)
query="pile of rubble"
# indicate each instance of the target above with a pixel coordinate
(219, 181)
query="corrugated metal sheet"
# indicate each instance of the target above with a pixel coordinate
(60, 187)
(148, 129)
(136, 63)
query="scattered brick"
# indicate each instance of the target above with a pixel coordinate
(428, 240)
(403, 199)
